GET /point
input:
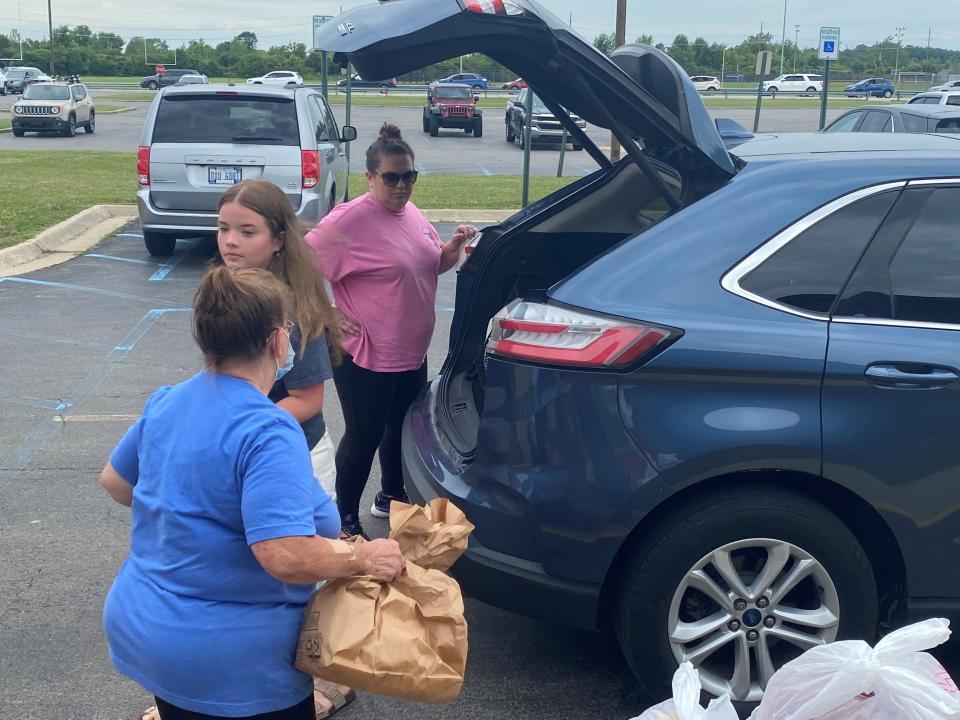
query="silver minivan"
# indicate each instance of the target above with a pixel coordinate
(200, 139)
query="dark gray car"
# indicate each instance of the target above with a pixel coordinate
(898, 118)
(198, 140)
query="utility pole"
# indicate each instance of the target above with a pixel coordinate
(50, 22)
(783, 37)
(620, 38)
(796, 35)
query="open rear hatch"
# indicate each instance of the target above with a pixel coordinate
(676, 154)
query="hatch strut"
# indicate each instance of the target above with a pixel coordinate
(579, 136)
(630, 145)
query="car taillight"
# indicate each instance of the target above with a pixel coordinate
(310, 167)
(143, 166)
(493, 7)
(558, 336)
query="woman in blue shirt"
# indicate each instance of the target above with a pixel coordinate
(229, 527)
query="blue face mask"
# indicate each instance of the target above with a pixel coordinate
(288, 360)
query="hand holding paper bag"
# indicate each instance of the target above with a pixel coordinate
(407, 638)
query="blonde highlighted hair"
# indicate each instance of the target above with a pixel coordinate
(294, 262)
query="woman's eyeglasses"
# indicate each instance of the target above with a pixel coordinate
(392, 179)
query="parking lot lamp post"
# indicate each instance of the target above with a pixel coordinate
(50, 23)
(723, 61)
(796, 36)
(620, 35)
(783, 37)
(896, 65)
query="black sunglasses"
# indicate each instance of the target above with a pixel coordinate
(392, 179)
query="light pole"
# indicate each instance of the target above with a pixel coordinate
(783, 37)
(896, 67)
(796, 36)
(50, 22)
(620, 33)
(723, 61)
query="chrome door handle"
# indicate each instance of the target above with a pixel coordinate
(894, 375)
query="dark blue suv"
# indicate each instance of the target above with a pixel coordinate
(704, 401)
(871, 87)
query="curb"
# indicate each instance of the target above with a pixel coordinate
(66, 239)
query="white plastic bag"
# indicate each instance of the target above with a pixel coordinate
(685, 704)
(324, 470)
(849, 680)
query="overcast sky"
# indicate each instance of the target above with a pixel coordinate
(860, 21)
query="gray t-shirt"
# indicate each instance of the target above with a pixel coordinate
(314, 367)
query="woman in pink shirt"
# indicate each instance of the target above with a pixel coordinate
(382, 258)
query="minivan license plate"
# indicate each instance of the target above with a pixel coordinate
(224, 175)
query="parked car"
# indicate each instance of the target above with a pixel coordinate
(949, 85)
(477, 82)
(795, 82)
(53, 107)
(198, 140)
(706, 403)
(706, 82)
(514, 84)
(545, 127)
(3, 81)
(18, 79)
(898, 118)
(871, 87)
(170, 76)
(277, 77)
(192, 80)
(358, 82)
(942, 97)
(452, 106)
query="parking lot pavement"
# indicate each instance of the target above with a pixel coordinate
(86, 343)
(453, 152)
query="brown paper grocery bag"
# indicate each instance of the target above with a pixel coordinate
(407, 638)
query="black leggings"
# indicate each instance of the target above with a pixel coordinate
(374, 405)
(303, 710)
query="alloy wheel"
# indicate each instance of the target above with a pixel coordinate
(747, 608)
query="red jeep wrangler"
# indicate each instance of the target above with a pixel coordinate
(453, 106)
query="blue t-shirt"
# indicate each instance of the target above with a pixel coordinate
(192, 616)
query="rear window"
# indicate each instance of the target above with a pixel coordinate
(951, 125)
(226, 119)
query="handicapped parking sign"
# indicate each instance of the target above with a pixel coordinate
(829, 43)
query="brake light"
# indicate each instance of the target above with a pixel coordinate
(493, 7)
(558, 336)
(310, 167)
(143, 166)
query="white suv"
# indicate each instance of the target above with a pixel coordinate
(795, 82)
(940, 97)
(283, 78)
(705, 82)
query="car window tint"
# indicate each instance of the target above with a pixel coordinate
(875, 121)
(845, 123)
(809, 271)
(224, 118)
(950, 125)
(925, 272)
(953, 100)
(913, 123)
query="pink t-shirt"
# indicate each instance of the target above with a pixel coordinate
(383, 269)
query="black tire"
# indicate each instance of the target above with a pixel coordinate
(17, 132)
(773, 91)
(426, 124)
(811, 90)
(888, 93)
(153, 85)
(711, 89)
(468, 130)
(159, 244)
(478, 127)
(661, 564)
(511, 137)
(70, 129)
(434, 126)
(91, 125)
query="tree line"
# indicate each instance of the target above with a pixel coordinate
(80, 50)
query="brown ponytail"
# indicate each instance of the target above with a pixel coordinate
(390, 142)
(235, 313)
